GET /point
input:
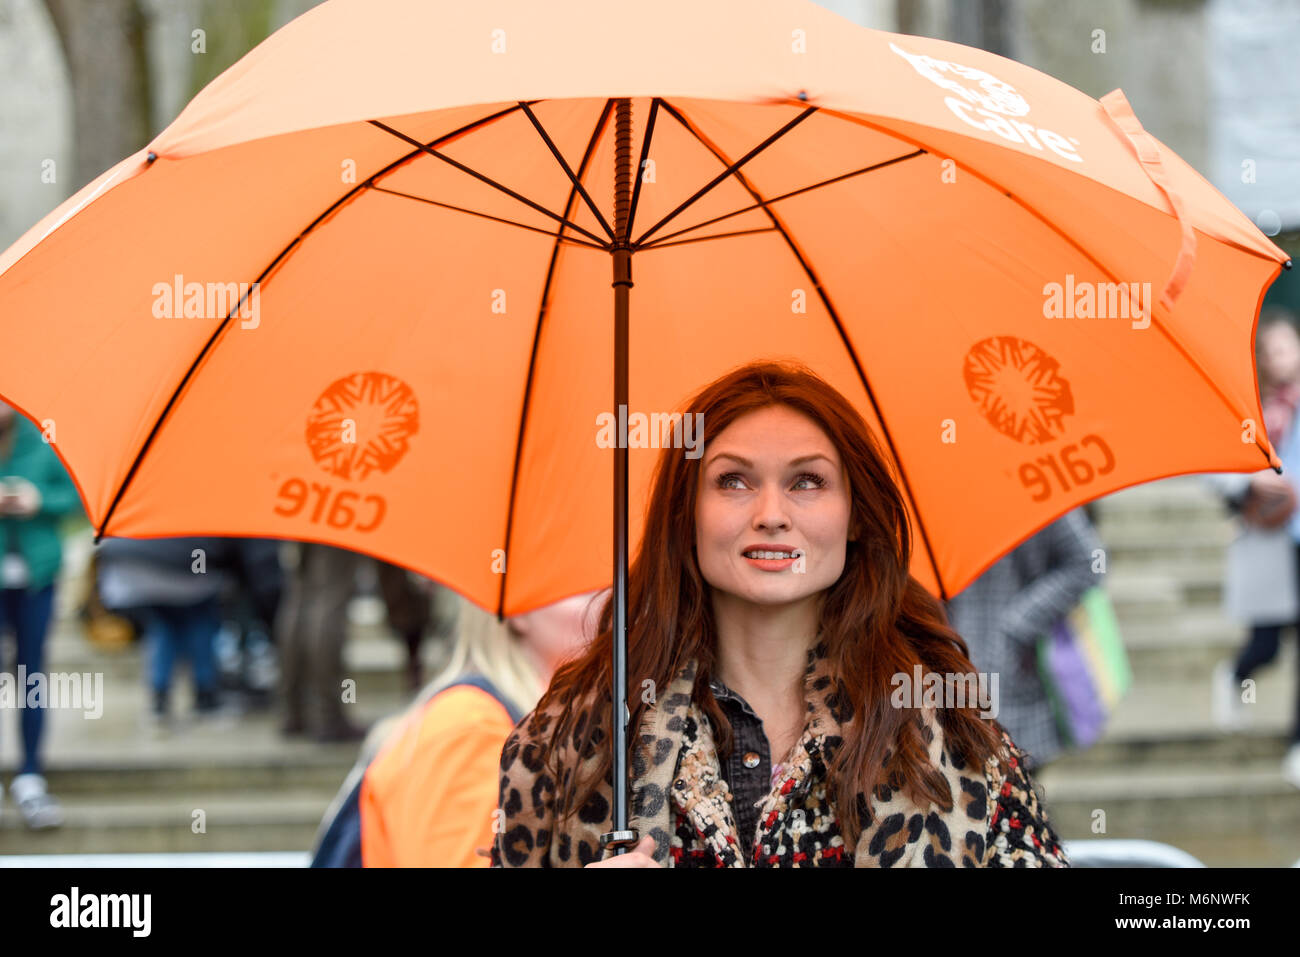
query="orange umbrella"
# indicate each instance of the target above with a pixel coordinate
(358, 292)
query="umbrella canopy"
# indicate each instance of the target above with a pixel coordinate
(359, 291)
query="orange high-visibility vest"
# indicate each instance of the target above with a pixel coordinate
(427, 799)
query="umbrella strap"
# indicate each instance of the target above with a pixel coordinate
(1121, 114)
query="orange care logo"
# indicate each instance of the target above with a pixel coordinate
(1020, 391)
(1018, 388)
(361, 424)
(981, 100)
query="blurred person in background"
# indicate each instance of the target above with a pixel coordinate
(1262, 574)
(246, 661)
(313, 625)
(414, 604)
(174, 586)
(37, 495)
(1014, 603)
(309, 633)
(424, 791)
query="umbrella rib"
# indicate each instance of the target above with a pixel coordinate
(559, 158)
(839, 327)
(488, 180)
(661, 241)
(532, 358)
(474, 212)
(207, 346)
(1155, 320)
(702, 239)
(731, 168)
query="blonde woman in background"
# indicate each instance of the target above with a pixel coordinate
(428, 797)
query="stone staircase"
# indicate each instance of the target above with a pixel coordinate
(1162, 771)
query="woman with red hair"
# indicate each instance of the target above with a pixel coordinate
(771, 621)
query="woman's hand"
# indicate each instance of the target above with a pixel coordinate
(639, 856)
(1270, 484)
(1270, 501)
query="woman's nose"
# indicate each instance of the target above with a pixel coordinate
(770, 510)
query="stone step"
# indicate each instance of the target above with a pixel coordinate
(230, 751)
(1157, 592)
(165, 822)
(1151, 548)
(1169, 725)
(372, 657)
(1169, 499)
(1226, 816)
(1196, 748)
(1176, 706)
(1181, 633)
(1190, 576)
(320, 769)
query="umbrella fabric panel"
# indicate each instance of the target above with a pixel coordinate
(1232, 256)
(698, 311)
(1006, 377)
(367, 410)
(106, 291)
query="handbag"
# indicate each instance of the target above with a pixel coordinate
(1259, 578)
(1084, 669)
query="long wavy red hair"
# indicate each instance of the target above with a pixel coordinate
(876, 620)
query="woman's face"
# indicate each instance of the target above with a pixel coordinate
(772, 481)
(559, 630)
(1280, 353)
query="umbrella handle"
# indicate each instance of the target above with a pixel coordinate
(619, 839)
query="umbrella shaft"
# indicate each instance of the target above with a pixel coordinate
(622, 282)
(620, 556)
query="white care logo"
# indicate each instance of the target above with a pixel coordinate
(983, 101)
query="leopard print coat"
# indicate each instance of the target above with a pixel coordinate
(679, 797)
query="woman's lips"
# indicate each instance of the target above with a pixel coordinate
(773, 564)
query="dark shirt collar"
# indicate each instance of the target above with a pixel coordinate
(725, 695)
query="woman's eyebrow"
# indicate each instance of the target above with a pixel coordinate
(749, 465)
(809, 458)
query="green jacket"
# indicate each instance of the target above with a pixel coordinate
(38, 537)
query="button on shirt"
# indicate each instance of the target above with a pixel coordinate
(748, 769)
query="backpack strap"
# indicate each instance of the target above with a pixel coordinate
(479, 681)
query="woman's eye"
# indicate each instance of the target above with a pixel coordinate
(802, 482)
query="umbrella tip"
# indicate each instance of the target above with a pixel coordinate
(151, 157)
(803, 94)
(1287, 264)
